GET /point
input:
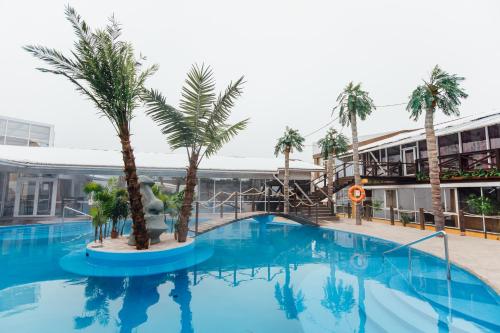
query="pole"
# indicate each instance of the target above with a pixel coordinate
(268, 204)
(222, 209)
(317, 207)
(196, 220)
(349, 212)
(235, 205)
(421, 218)
(391, 211)
(461, 221)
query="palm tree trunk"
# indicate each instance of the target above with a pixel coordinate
(134, 194)
(286, 181)
(329, 172)
(355, 161)
(432, 154)
(183, 226)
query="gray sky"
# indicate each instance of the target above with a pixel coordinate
(296, 57)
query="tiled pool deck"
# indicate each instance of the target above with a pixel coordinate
(479, 256)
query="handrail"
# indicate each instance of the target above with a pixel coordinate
(446, 254)
(74, 210)
(302, 191)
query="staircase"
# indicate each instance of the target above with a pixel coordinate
(322, 210)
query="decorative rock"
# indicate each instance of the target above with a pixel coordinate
(153, 212)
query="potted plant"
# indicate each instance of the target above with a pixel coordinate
(479, 205)
(99, 218)
(110, 201)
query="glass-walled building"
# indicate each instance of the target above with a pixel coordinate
(38, 182)
(20, 132)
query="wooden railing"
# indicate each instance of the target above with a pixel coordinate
(377, 169)
(483, 159)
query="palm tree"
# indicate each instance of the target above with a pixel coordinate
(442, 91)
(200, 126)
(352, 103)
(332, 145)
(104, 69)
(290, 140)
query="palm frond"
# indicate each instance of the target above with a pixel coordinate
(290, 140)
(442, 91)
(333, 143)
(222, 136)
(225, 102)
(353, 100)
(171, 121)
(102, 67)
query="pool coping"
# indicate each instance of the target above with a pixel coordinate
(341, 227)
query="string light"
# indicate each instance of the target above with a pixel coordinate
(333, 120)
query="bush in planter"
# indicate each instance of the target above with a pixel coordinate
(480, 205)
(172, 203)
(406, 218)
(377, 205)
(112, 202)
(99, 218)
(420, 176)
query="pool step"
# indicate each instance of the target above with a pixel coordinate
(388, 312)
(410, 313)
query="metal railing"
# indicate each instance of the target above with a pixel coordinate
(73, 210)
(446, 254)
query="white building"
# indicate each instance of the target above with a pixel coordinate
(40, 181)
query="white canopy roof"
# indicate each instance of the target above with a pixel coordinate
(448, 127)
(93, 161)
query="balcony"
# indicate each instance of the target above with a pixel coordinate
(482, 164)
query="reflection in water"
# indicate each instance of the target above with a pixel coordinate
(140, 294)
(289, 302)
(98, 292)
(182, 296)
(19, 298)
(338, 298)
(260, 277)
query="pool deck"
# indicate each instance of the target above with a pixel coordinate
(479, 256)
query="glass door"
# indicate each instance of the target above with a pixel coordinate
(34, 197)
(409, 156)
(27, 197)
(44, 202)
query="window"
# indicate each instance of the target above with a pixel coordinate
(3, 127)
(422, 149)
(448, 144)
(390, 198)
(39, 135)
(473, 140)
(18, 129)
(16, 141)
(494, 134)
(393, 154)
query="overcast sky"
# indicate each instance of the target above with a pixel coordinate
(296, 57)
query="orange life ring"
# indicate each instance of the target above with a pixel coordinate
(356, 193)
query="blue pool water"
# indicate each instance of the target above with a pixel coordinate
(260, 277)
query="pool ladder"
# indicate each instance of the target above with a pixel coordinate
(446, 254)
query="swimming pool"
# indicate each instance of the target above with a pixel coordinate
(261, 277)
